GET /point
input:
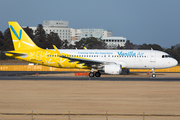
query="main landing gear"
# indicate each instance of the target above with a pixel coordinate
(97, 74)
(153, 73)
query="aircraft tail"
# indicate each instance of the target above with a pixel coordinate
(20, 39)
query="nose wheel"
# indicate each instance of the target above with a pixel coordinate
(153, 73)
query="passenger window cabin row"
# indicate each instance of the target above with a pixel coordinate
(96, 56)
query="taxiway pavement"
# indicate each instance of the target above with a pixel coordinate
(88, 78)
(46, 75)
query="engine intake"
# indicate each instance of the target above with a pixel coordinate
(113, 69)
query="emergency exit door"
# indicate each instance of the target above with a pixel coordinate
(153, 57)
(39, 56)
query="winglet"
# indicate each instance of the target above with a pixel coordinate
(85, 48)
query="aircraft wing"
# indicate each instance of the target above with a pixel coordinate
(85, 61)
(80, 60)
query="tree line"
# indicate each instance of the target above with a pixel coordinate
(45, 41)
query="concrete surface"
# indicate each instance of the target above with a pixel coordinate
(89, 97)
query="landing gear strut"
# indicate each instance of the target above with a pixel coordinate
(153, 73)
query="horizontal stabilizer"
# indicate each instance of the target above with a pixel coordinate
(15, 53)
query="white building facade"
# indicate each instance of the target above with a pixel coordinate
(107, 33)
(97, 33)
(59, 27)
(78, 34)
(113, 42)
(75, 35)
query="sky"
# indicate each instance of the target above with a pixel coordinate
(140, 21)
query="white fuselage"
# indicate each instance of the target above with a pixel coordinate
(136, 59)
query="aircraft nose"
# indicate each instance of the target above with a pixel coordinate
(175, 62)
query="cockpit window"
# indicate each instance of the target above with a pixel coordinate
(166, 56)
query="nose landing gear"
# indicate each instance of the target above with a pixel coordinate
(153, 73)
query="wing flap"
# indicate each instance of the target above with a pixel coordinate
(86, 62)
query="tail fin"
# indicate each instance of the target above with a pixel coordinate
(20, 39)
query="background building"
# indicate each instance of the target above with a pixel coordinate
(113, 42)
(97, 33)
(59, 27)
(75, 35)
(78, 34)
(107, 33)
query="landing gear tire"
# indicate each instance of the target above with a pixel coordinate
(91, 74)
(98, 74)
(153, 75)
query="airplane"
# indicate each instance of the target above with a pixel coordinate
(98, 61)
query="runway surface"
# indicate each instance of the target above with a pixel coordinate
(14, 73)
(30, 75)
(87, 78)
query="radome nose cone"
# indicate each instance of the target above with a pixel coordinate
(175, 62)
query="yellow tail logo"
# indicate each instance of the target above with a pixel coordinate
(20, 39)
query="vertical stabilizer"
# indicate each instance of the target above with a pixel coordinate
(20, 39)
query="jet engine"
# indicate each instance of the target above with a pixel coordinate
(113, 69)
